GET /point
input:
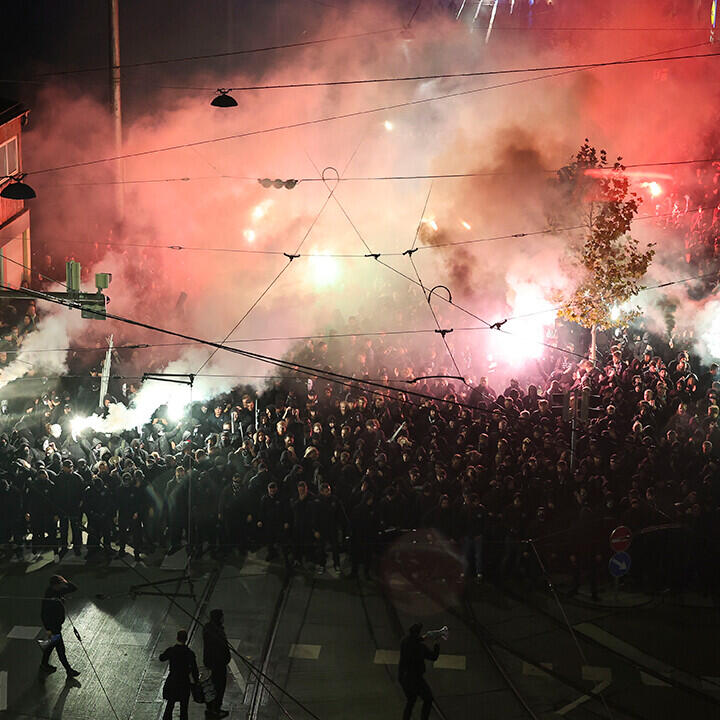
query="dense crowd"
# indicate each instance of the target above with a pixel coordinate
(313, 470)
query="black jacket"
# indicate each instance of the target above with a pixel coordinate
(413, 653)
(216, 652)
(52, 610)
(182, 666)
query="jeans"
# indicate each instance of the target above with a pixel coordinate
(58, 645)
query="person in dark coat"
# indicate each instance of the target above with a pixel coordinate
(216, 656)
(183, 666)
(52, 613)
(411, 668)
(69, 496)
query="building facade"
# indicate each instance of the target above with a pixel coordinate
(15, 256)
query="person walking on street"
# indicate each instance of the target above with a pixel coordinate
(183, 666)
(52, 613)
(411, 668)
(216, 656)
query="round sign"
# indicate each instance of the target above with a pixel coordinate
(619, 564)
(620, 538)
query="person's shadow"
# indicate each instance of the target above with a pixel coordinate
(59, 706)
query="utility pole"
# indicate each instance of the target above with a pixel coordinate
(116, 105)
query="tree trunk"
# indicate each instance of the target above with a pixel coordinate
(593, 344)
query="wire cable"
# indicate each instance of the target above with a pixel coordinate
(315, 121)
(212, 56)
(290, 258)
(366, 178)
(95, 672)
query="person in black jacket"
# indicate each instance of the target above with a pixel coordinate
(411, 668)
(52, 613)
(182, 666)
(69, 496)
(216, 656)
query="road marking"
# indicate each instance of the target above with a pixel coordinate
(652, 681)
(450, 662)
(304, 652)
(596, 674)
(529, 669)
(239, 679)
(46, 558)
(3, 690)
(387, 657)
(24, 632)
(711, 683)
(583, 698)
(176, 561)
(606, 639)
(136, 639)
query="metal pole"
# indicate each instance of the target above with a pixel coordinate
(116, 104)
(572, 443)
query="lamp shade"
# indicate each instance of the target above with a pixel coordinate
(223, 100)
(17, 190)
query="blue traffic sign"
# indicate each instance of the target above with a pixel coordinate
(619, 564)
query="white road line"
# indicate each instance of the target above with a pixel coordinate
(583, 698)
(652, 681)
(3, 690)
(387, 657)
(596, 674)
(532, 670)
(639, 657)
(304, 652)
(450, 662)
(239, 679)
(24, 632)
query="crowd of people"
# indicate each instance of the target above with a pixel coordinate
(315, 471)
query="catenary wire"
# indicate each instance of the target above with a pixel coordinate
(366, 178)
(212, 56)
(456, 75)
(330, 118)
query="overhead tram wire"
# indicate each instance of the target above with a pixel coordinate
(292, 366)
(330, 118)
(427, 295)
(213, 56)
(433, 246)
(366, 178)
(290, 257)
(455, 75)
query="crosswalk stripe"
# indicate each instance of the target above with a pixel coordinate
(583, 698)
(3, 690)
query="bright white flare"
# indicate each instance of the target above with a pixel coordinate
(388, 125)
(524, 336)
(249, 235)
(259, 211)
(466, 225)
(325, 269)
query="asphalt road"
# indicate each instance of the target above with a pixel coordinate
(324, 646)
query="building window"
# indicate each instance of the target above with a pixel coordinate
(9, 158)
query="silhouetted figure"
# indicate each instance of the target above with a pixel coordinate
(52, 613)
(413, 653)
(183, 666)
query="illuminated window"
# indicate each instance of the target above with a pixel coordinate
(9, 158)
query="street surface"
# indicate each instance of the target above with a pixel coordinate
(328, 645)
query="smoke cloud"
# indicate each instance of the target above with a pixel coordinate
(511, 135)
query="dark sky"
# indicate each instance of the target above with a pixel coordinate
(50, 36)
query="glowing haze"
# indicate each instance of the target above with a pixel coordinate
(644, 112)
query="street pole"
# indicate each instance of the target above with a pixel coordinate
(116, 105)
